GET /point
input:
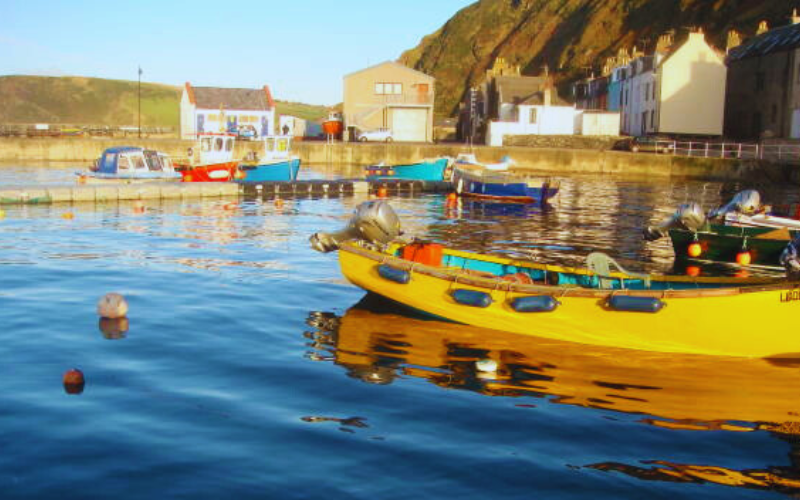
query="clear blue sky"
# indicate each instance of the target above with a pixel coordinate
(301, 49)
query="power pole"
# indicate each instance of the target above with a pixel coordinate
(140, 102)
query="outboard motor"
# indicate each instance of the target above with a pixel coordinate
(374, 222)
(790, 259)
(747, 202)
(689, 216)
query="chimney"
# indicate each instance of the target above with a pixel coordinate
(763, 27)
(795, 17)
(547, 91)
(664, 43)
(734, 40)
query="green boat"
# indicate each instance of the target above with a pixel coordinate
(721, 243)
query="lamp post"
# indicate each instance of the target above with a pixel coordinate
(140, 102)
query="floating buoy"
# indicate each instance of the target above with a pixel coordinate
(486, 365)
(744, 258)
(113, 306)
(278, 202)
(138, 207)
(74, 381)
(694, 249)
(68, 215)
(382, 192)
(230, 206)
(390, 172)
(452, 197)
(692, 271)
(2, 214)
(81, 179)
(240, 174)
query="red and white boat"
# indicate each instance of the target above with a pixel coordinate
(211, 160)
(333, 126)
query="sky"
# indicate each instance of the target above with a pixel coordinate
(301, 49)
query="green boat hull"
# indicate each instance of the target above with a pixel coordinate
(721, 243)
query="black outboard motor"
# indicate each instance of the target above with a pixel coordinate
(790, 259)
(374, 222)
(689, 216)
(747, 202)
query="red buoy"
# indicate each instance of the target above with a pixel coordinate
(74, 381)
(382, 192)
(744, 258)
(692, 271)
(694, 249)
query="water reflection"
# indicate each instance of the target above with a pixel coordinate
(672, 392)
(114, 328)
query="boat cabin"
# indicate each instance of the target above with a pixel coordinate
(277, 147)
(132, 160)
(214, 148)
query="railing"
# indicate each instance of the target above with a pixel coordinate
(785, 153)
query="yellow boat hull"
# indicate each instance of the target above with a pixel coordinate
(748, 321)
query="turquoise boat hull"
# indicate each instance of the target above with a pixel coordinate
(422, 171)
(282, 171)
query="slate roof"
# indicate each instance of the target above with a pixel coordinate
(244, 99)
(526, 90)
(774, 40)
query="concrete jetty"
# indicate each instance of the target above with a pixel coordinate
(179, 190)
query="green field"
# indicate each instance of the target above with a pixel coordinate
(98, 102)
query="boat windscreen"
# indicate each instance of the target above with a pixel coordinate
(153, 161)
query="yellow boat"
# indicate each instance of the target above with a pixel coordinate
(733, 316)
(749, 317)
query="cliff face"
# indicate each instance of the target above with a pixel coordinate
(570, 37)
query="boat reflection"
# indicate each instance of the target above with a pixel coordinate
(679, 392)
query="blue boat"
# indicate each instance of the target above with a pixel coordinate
(129, 165)
(276, 165)
(494, 182)
(426, 170)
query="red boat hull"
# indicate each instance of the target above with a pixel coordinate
(332, 127)
(216, 172)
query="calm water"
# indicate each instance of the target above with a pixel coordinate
(250, 369)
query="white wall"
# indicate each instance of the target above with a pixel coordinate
(549, 120)
(593, 123)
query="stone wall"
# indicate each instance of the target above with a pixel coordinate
(562, 141)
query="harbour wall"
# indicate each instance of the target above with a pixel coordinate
(551, 161)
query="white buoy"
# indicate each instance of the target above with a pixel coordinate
(113, 306)
(486, 365)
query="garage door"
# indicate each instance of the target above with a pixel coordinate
(409, 124)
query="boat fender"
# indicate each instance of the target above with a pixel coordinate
(636, 304)
(472, 298)
(393, 274)
(535, 304)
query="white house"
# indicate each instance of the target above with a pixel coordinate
(215, 109)
(681, 91)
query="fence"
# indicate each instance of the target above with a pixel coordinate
(784, 153)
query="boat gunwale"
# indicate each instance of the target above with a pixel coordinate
(458, 276)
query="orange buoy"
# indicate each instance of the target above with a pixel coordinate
(390, 172)
(81, 179)
(278, 202)
(452, 197)
(67, 215)
(74, 381)
(230, 206)
(694, 249)
(112, 305)
(240, 174)
(138, 207)
(382, 192)
(744, 258)
(692, 271)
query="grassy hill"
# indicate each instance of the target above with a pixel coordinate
(571, 37)
(96, 101)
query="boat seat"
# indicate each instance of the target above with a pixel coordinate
(601, 264)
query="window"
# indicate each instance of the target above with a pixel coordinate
(228, 144)
(798, 73)
(533, 116)
(123, 163)
(647, 92)
(383, 88)
(653, 119)
(774, 113)
(218, 144)
(138, 162)
(654, 91)
(205, 145)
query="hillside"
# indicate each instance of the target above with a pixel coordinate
(570, 37)
(96, 101)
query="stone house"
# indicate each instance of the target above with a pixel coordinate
(763, 99)
(216, 109)
(390, 96)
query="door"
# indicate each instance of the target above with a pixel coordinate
(201, 118)
(410, 124)
(796, 124)
(422, 93)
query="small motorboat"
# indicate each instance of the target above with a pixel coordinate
(493, 182)
(211, 160)
(740, 232)
(425, 170)
(129, 165)
(276, 164)
(744, 317)
(334, 125)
